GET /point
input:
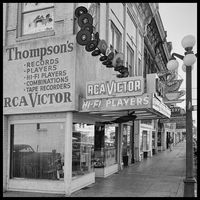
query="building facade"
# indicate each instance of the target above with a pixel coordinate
(67, 117)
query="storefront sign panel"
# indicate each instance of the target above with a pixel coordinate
(178, 119)
(120, 103)
(130, 86)
(39, 76)
(160, 107)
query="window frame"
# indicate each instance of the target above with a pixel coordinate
(130, 67)
(20, 36)
(115, 32)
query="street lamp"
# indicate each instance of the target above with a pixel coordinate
(189, 59)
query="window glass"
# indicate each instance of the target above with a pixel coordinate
(145, 140)
(37, 17)
(35, 6)
(139, 67)
(93, 10)
(38, 153)
(110, 145)
(82, 149)
(115, 38)
(105, 145)
(130, 60)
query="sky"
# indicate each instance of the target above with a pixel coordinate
(179, 20)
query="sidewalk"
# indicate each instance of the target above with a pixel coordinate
(159, 176)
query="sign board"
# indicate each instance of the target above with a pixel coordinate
(177, 111)
(154, 85)
(119, 103)
(160, 107)
(171, 96)
(145, 101)
(131, 86)
(39, 76)
(173, 86)
(181, 126)
(178, 119)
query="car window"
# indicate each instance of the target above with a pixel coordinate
(26, 149)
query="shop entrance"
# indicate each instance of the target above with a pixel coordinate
(168, 140)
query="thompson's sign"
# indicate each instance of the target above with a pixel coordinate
(39, 76)
(131, 86)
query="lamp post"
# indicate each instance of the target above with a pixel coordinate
(189, 59)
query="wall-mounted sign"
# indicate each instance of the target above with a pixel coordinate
(171, 96)
(177, 111)
(39, 76)
(178, 119)
(154, 85)
(131, 86)
(173, 86)
(160, 107)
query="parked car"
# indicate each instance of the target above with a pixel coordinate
(30, 164)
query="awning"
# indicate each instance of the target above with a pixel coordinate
(145, 106)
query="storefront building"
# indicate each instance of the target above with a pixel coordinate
(59, 130)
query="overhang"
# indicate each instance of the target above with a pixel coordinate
(145, 106)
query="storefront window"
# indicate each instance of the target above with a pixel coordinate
(126, 140)
(105, 145)
(110, 145)
(82, 149)
(144, 145)
(37, 151)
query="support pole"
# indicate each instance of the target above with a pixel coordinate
(68, 153)
(189, 181)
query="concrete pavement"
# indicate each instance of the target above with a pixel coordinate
(159, 176)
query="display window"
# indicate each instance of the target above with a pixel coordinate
(105, 153)
(82, 149)
(145, 141)
(126, 146)
(37, 151)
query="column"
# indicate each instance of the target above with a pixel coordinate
(119, 147)
(68, 153)
(5, 152)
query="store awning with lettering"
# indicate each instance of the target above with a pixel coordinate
(115, 99)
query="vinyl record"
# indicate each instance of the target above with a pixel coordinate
(123, 70)
(96, 52)
(88, 27)
(108, 51)
(120, 76)
(107, 62)
(83, 37)
(85, 19)
(125, 74)
(96, 36)
(118, 59)
(111, 55)
(118, 68)
(103, 58)
(91, 45)
(109, 66)
(102, 46)
(80, 10)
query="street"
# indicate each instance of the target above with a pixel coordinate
(159, 176)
